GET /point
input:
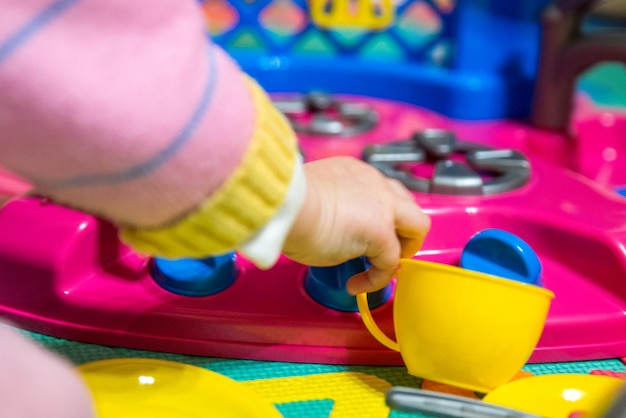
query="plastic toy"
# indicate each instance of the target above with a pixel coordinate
(66, 274)
(318, 113)
(432, 56)
(555, 396)
(192, 277)
(502, 254)
(472, 317)
(70, 277)
(559, 395)
(162, 389)
(509, 169)
(362, 14)
(327, 286)
(446, 405)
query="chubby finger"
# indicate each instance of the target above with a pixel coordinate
(371, 280)
(410, 220)
(400, 190)
(364, 283)
(412, 226)
(383, 257)
(410, 246)
(403, 239)
(359, 283)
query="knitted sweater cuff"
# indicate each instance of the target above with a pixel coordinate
(265, 247)
(245, 202)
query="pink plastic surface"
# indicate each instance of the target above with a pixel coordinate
(65, 273)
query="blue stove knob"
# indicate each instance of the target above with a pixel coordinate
(501, 253)
(195, 277)
(327, 286)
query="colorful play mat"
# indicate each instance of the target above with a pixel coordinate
(315, 390)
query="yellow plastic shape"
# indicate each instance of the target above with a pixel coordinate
(559, 395)
(360, 14)
(461, 327)
(148, 388)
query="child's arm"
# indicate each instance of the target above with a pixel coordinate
(130, 113)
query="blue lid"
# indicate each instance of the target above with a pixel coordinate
(327, 286)
(195, 277)
(501, 253)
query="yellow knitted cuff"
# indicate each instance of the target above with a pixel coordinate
(244, 203)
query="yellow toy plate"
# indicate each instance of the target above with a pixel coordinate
(558, 395)
(142, 388)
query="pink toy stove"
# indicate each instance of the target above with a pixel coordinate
(65, 273)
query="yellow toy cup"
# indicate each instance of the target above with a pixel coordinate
(461, 327)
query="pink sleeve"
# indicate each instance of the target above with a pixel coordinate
(118, 107)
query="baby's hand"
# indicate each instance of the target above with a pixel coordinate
(351, 209)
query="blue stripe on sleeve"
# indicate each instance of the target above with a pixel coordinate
(15, 41)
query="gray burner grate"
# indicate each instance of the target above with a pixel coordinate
(484, 171)
(319, 113)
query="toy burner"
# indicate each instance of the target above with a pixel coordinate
(319, 113)
(66, 273)
(485, 170)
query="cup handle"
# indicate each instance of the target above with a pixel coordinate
(370, 324)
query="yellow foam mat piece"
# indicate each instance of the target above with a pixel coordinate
(354, 394)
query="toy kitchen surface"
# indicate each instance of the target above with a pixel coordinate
(459, 130)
